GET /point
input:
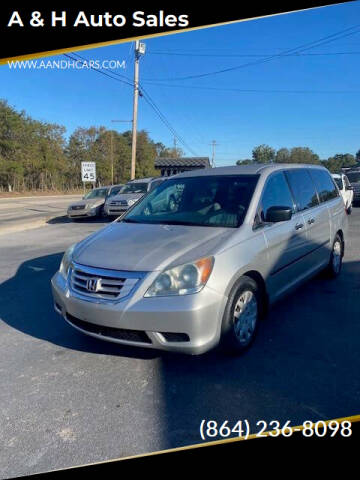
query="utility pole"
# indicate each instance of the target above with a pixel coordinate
(213, 144)
(139, 50)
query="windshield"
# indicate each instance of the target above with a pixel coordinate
(115, 191)
(354, 177)
(339, 182)
(214, 201)
(96, 193)
(135, 188)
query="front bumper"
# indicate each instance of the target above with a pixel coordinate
(81, 213)
(115, 210)
(186, 324)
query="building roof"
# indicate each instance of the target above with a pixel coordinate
(162, 162)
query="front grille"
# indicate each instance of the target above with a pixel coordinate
(118, 333)
(78, 207)
(100, 283)
(118, 202)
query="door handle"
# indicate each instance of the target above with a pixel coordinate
(311, 220)
(299, 226)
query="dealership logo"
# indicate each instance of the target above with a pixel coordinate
(93, 284)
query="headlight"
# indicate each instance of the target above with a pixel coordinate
(182, 280)
(66, 261)
(131, 202)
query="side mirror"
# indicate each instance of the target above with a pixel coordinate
(278, 214)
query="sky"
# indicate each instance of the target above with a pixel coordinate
(310, 99)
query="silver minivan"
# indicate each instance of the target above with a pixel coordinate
(197, 261)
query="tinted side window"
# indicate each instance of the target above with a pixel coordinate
(276, 194)
(155, 184)
(339, 182)
(303, 189)
(324, 184)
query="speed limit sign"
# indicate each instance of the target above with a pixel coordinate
(88, 171)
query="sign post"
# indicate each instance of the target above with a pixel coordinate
(88, 172)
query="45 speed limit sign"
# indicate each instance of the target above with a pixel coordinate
(88, 171)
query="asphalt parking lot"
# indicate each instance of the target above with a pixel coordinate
(67, 399)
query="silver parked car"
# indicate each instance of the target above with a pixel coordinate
(198, 260)
(92, 204)
(130, 194)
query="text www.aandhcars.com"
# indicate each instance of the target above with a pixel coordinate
(66, 64)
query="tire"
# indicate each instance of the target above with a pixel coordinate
(337, 253)
(238, 329)
(349, 209)
(102, 213)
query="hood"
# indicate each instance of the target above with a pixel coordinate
(94, 202)
(145, 247)
(125, 196)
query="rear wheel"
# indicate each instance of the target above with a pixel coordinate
(241, 316)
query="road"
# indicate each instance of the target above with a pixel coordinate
(15, 213)
(67, 399)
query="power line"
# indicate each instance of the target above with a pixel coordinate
(256, 55)
(162, 117)
(243, 90)
(299, 49)
(146, 97)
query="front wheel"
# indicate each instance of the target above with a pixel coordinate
(241, 316)
(337, 252)
(349, 209)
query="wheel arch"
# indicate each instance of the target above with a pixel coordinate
(258, 278)
(341, 235)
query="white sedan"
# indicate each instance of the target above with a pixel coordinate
(346, 190)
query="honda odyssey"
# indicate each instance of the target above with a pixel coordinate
(197, 261)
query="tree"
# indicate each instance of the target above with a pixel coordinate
(338, 161)
(303, 155)
(35, 155)
(263, 154)
(357, 156)
(162, 151)
(247, 161)
(31, 152)
(146, 153)
(282, 156)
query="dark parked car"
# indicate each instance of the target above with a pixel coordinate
(354, 179)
